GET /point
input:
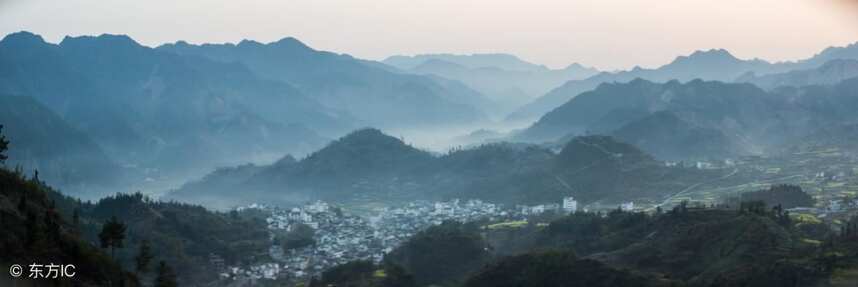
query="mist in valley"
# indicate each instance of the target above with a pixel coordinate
(351, 144)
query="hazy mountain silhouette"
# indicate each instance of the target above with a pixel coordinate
(150, 108)
(711, 65)
(63, 155)
(830, 73)
(504, 78)
(373, 94)
(752, 117)
(474, 61)
(667, 136)
(369, 165)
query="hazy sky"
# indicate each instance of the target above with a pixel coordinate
(609, 34)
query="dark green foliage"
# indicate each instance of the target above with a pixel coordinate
(165, 277)
(365, 274)
(112, 235)
(442, 254)
(362, 153)
(396, 276)
(556, 269)
(785, 195)
(352, 273)
(690, 245)
(754, 207)
(144, 257)
(35, 229)
(716, 247)
(592, 232)
(368, 165)
(182, 235)
(602, 168)
(300, 236)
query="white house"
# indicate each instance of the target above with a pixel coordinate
(570, 205)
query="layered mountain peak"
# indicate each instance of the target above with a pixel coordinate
(586, 150)
(368, 145)
(432, 64)
(362, 152)
(103, 40)
(291, 42)
(578, 67)
(848, 52)
(473, 61)
(22, 39)
(287, 45)
(839, 64)
(707, 57)
(368, 136)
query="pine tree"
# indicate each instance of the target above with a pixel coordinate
(4, 146)
(166, 276)
(112, 235)
(76, 219)
(144, 257)
(52, 224)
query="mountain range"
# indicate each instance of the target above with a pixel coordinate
(374, 95)
(699, 119)
(711, 65)
(178, 110)
(76, 161)
(830, 73)
(506, 79)
(368, 165)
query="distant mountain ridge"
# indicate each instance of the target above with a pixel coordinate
(33, 129)
(504, 78)
(374, 95)
(152, 109)
(472, 61)
(668, 137)
(711, 65)
(830, 73)
(713, 119)
(170, 113)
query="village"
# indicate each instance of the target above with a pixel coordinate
(340, 237)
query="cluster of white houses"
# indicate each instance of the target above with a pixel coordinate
(340, 237)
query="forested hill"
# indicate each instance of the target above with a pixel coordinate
(748, 244)
(368, 164)
(37, 229)
(46, 226)
(701, 119)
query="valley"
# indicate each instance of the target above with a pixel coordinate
(274, 159)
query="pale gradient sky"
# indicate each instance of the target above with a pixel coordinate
(608, 34)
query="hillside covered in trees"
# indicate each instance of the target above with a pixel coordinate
(369, 165)
(745, 245)
(121, 240)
